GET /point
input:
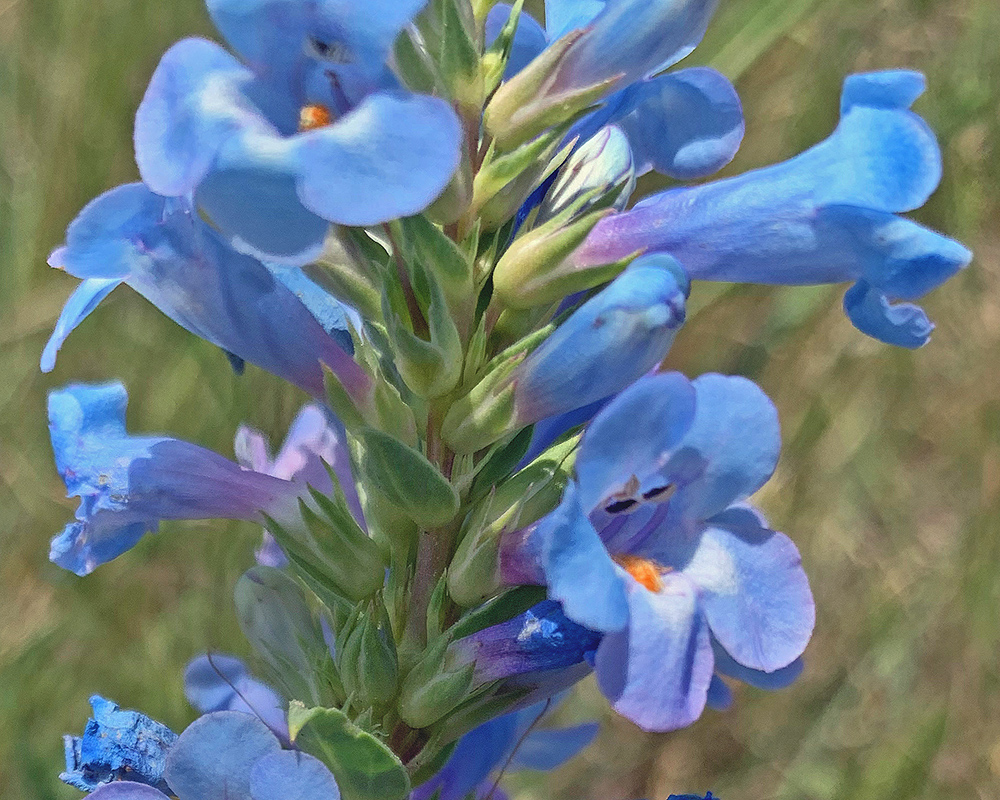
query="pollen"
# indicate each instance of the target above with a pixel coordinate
(314, 116)
(646, 571)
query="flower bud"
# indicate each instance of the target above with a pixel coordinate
(600, 173)
(431, 691)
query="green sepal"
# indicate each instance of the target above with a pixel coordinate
(404, 477)
(415, 67)
(275, 618)
(516, 503)
(378, 667)
(499, 463)
(428, 769)
(528, 103)
(459, 55)
(365, 769)
(535, 269)
(506, 179)
(485, 414)
(350, 268)
(497, 55)
(330, 551)
(447, 264)
(436, 609)
(429, 691)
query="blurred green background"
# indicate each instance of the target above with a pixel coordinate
(889, 480)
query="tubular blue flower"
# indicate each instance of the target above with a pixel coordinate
(541, 640)
(611, 340)
(315, 444)
(163, 250)
(218, 682)
(652, 546)
(685, 124)
(229, 755)
(128, 484)
(276, 150)
(626, 39)
(826, 216)
(117, 745)
(472, 767)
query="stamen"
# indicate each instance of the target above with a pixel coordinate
(646, 571)
(621, 506)
(660, 493)
(314, 116)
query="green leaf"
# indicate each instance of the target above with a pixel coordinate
(404, 477)
(365, 768)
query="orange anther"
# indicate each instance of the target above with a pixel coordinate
(648, 573)
(314, 116)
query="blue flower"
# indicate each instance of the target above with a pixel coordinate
(611, 340)
(539, 647)
(128, 484)
(685, 124)
(218, 682)
(472, 767)
(162, 249)
(117, 745)
(826, 216)
(652, 546)
(625, 40)
(229, 755)
(312, 129)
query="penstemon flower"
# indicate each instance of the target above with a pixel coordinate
(421, 214)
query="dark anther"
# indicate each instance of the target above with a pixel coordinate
(620, 506)
(659, 492)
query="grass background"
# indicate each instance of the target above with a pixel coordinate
(889, 480)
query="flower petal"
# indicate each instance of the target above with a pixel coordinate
(251, 194)
(212, 759)
(549, 748)
(538, 640)
(562, 16)
(657, 671)
(389, 157)
(767, 226)
(769, 681)
(218, 682)
(613, 339)
(752, 587)
(85, 298)
(902, 324)
(165, 252)
(729, 451)
(127, 484)
(117, 744)
(126, 790)
(477, 754)
(633, 436)
(193, 104)
(292, 775)
(578, 570)
(896, 88)
(685, 124)
(634, 38)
